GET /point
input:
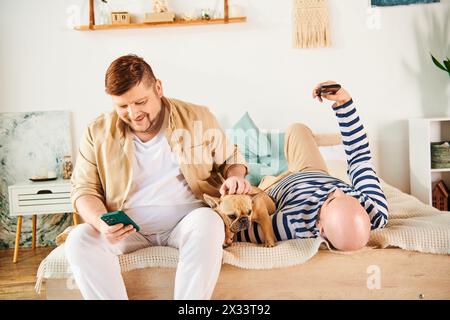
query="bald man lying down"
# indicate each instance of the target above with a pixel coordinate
(310, 202)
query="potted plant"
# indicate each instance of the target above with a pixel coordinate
(445, 67)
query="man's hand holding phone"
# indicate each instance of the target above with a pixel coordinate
(116, 232)
(116, 225)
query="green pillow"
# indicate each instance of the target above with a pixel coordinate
(263, 151)
(277, 160)
(250, 140)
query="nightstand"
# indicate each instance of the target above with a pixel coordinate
(38, 198)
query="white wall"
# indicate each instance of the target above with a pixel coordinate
(232, 68)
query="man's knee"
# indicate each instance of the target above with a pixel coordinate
(79, 241)
(297, 129)
(207, 224)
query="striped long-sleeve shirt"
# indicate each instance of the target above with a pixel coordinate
(299, 196)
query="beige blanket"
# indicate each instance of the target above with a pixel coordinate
(412, 226)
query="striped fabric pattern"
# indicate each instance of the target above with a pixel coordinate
(299, 196)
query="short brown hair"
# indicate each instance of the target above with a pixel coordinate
(126, 72)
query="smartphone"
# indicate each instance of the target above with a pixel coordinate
(116, 217)
(328, 89)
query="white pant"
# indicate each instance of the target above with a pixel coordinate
(198, 236)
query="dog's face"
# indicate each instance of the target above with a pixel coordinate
(239, 211)
(235, 209)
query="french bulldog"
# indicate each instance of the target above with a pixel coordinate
(238, 211)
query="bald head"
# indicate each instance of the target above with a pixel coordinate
(344, 222)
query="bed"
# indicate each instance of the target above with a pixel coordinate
(409, 259)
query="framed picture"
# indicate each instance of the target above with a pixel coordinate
(386, 3)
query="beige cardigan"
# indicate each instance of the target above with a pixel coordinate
(104, 164)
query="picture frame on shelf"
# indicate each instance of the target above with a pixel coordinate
(120, 17)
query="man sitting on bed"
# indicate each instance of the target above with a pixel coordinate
(310, 202)
(134, 159)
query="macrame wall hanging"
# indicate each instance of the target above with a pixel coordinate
(311, 25)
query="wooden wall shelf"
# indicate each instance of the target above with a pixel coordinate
(92, 26)
(159, 24)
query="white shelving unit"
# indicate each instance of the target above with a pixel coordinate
(422, 132)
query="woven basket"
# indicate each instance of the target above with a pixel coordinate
(440, 155)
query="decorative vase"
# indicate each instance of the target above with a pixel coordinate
(205, 14)
(67, 167)
(104, 16)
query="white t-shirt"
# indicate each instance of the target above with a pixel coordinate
(159, 196)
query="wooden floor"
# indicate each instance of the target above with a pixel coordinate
(406, 275)
(17, 280)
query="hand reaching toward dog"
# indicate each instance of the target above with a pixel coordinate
(341, 97)
(235, 185)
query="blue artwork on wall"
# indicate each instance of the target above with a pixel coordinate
(385, 3)
(28, 142)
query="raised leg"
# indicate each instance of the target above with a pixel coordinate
(301, 150)
(33, 228)
(17, 244)
(302, 154)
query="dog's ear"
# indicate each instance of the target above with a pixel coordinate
(213, 202)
